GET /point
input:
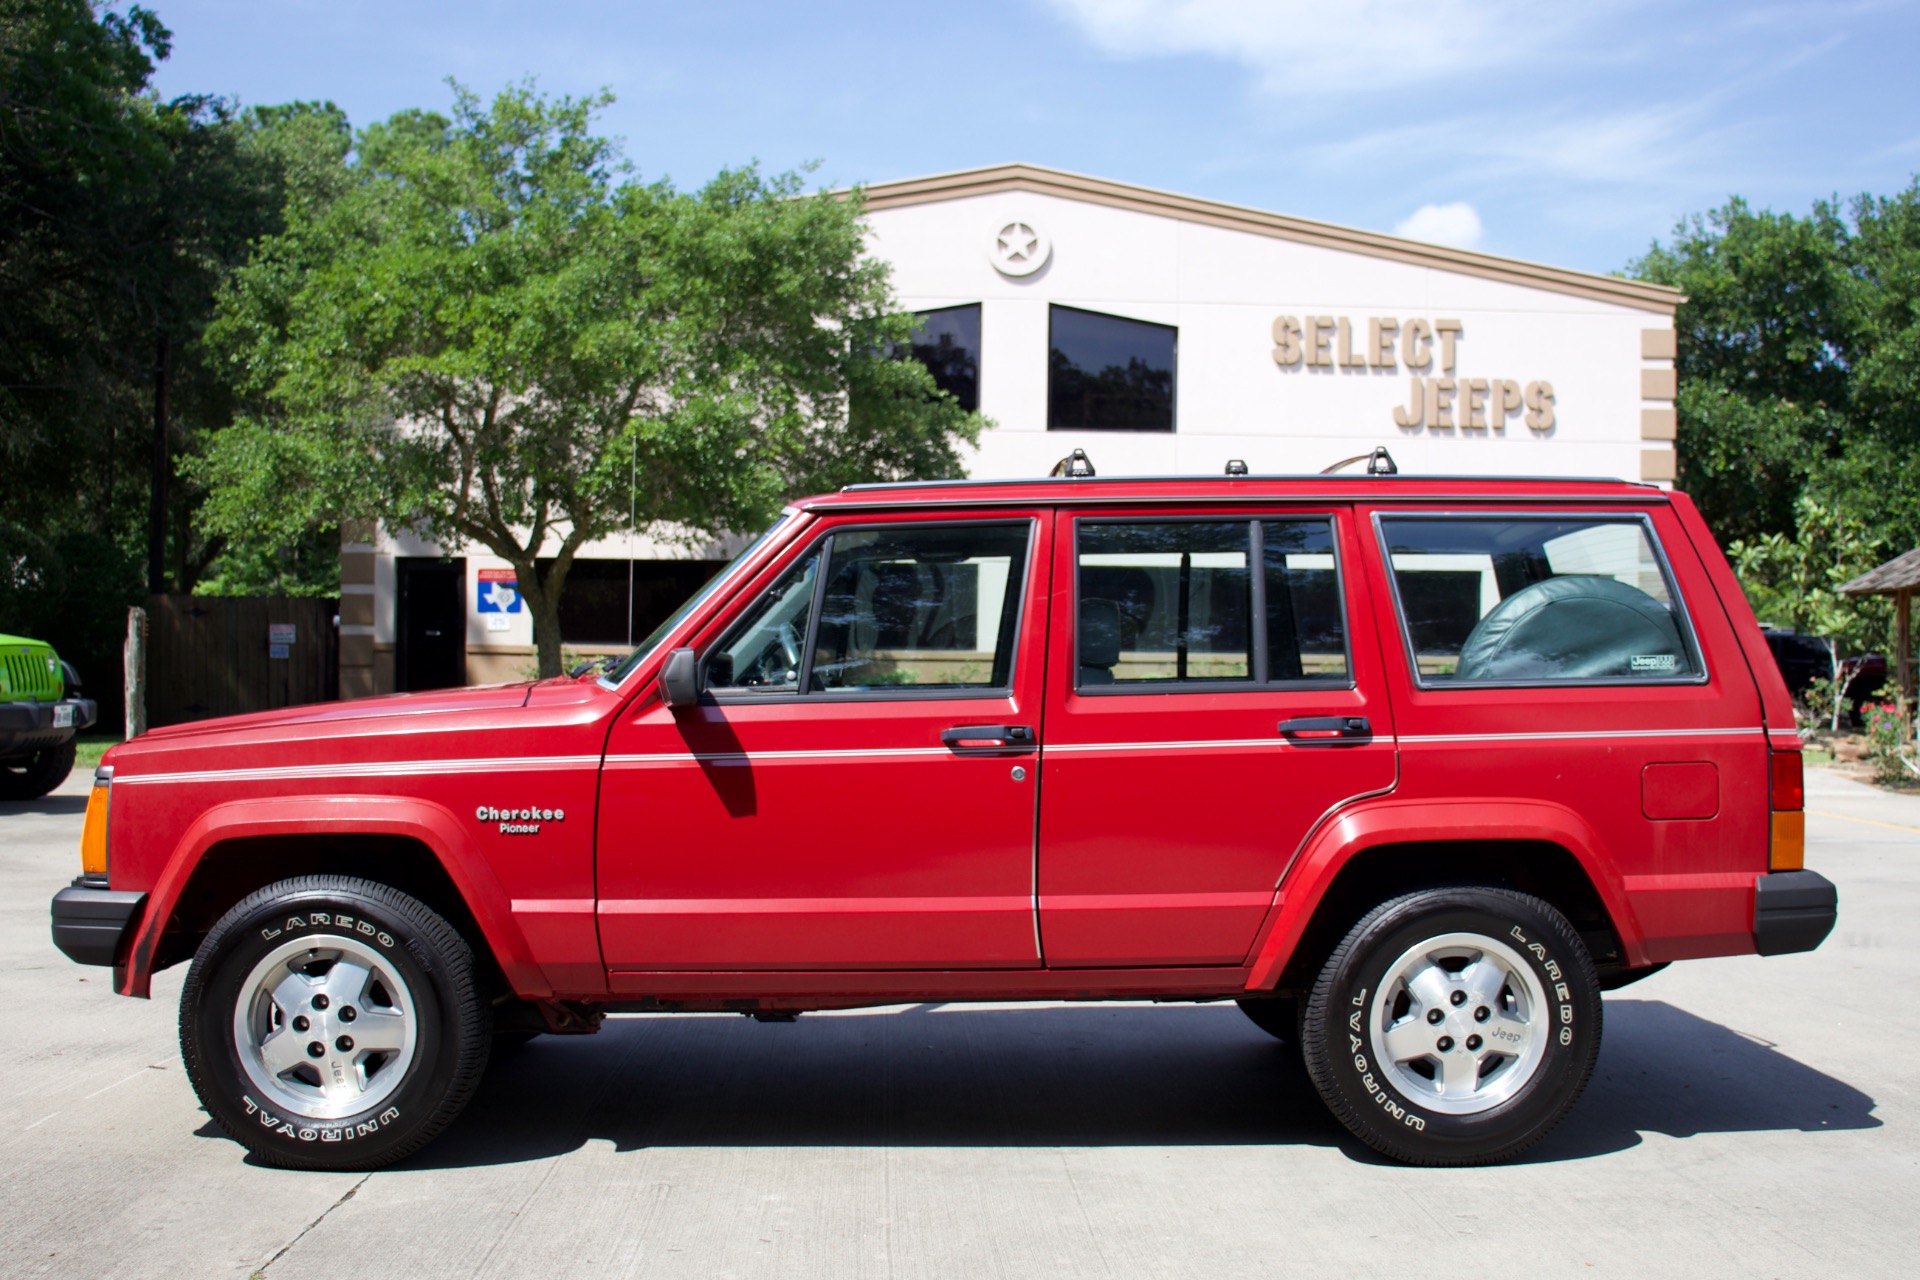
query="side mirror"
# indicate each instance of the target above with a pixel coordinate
(680, 681)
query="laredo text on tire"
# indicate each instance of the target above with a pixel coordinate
(333, 1023)
(1454, 1026)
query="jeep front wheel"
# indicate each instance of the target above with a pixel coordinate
(1454, 1026)
(333, 1023)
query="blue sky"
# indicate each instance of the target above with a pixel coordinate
(1571, 134)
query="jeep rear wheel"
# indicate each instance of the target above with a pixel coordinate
(1454, 1026)
(30, 777)
(333, 1023)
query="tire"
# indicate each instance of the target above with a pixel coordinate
(1279, 1018)
(30, 777)
(381, 986)
(1472, 1087)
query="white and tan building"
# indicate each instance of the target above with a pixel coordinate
(1161, 333)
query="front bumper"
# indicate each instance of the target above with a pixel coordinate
(92, 923)
(29, 726)
(1793, 911)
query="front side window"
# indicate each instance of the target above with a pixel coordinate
(1109, 373)
(762, 653)
(884, 608)
(1529, 600)
(1178, 602)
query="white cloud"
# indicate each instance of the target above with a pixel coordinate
(1349, 46)
(1455, 225)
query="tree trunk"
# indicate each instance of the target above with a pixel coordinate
(543, 602)
(545, 606)
(1833, 688)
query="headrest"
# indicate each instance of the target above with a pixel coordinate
(1099, 633)
(1578, 626)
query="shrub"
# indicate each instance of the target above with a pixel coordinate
(1889, 738)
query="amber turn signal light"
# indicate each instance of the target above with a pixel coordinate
(1788, 849)
(93, 837)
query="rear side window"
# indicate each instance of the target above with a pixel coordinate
(1537, 600)
(1235, 603)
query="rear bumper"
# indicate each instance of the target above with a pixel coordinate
(1793, 911)
(92, 923)
(29, 726)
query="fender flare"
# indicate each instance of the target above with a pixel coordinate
(1400, 821)
(430, 824)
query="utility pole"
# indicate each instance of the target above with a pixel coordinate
(157, 513)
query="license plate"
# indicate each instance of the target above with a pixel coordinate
(63, 717)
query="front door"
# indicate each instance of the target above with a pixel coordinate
(855, 788)
(1216, 691)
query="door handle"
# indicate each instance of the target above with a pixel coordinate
(1308, 731)
(990, 737)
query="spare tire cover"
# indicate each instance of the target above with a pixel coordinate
(1575, 627)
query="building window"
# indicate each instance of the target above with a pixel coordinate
(1108, 373)
(947, 342)
(595, 600)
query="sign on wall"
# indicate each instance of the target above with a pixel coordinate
(1437, 399)
(499, 596)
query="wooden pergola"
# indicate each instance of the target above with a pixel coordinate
(1899, 578)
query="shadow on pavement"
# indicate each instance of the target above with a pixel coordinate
(1664, 1070)
(54, 804)
(1184, 1075)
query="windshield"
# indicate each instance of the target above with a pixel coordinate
(647, 646)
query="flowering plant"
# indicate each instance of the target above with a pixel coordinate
(1889, 737)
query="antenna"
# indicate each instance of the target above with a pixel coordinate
(633, 507)
(1379, 463)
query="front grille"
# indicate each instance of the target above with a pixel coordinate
(28, 677)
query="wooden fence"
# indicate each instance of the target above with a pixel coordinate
(220, 656)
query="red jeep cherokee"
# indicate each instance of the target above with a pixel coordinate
(1411, 768)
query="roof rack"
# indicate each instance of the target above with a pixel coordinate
(1075, 466)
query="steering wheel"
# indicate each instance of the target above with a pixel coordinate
(779, 662)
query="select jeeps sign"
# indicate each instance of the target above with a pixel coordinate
(1439, 401)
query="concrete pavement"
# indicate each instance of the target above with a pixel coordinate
(1749, 1117)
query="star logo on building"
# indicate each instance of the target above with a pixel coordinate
(1019, 248)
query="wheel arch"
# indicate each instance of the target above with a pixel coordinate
(413, 846)
(1362, 858)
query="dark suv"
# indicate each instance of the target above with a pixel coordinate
(1803, 658)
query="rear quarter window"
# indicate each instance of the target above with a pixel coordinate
(1530, 600)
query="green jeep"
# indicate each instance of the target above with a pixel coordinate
(40, 712)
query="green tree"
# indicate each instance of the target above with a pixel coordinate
(120, 213)
(1799, 362)
(1794, 581)
(1763, 337)
(490, 334)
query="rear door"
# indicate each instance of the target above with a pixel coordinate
(854, 789)
(1549, 654)
(1215, 691)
